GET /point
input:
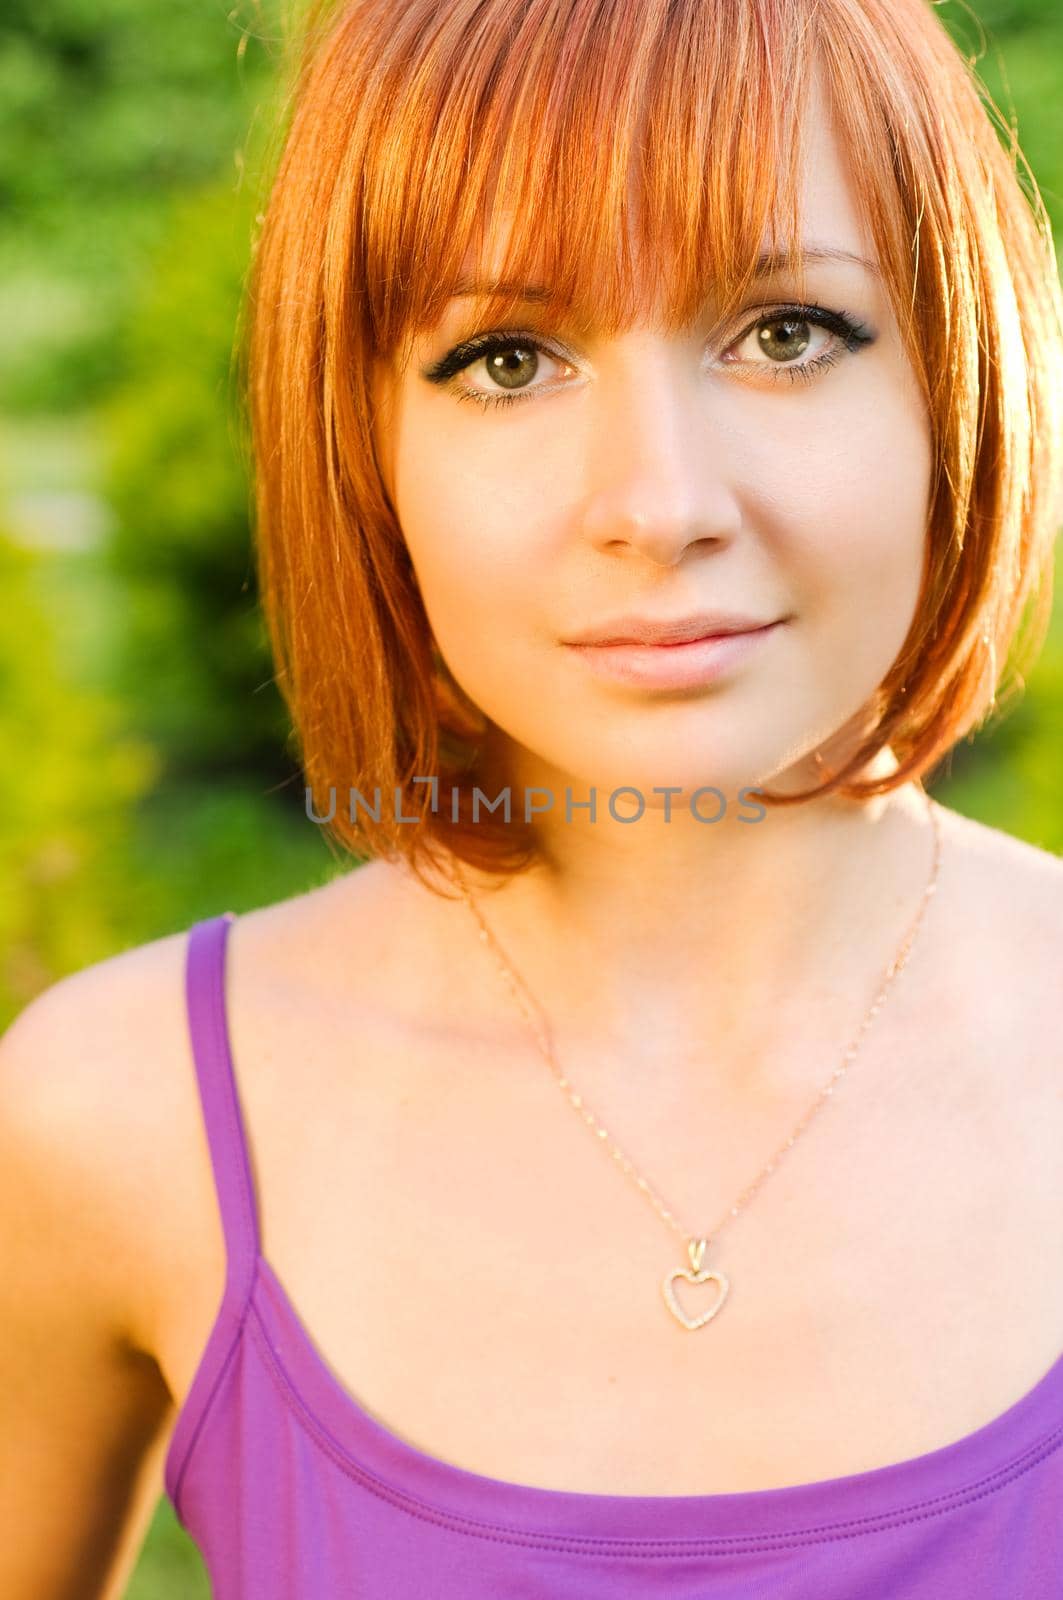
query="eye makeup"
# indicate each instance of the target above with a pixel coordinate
(849, 333)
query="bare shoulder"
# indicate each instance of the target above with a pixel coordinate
(84, 1404)
(374, 937)
(105, 1188)
(997, 874)
(105, 1047)
(1001, 910)
(99, 1101)
(89, 1073)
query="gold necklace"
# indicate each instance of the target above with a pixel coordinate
(697, 1244)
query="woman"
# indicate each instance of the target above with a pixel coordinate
(298, 1217)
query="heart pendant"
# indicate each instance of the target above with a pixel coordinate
(695, 1250)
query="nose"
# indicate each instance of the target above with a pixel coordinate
(660, 471)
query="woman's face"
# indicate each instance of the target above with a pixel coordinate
(778, 468)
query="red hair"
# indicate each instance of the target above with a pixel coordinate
(411, 116)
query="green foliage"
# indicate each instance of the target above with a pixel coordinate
(170, 1567)
(1016, 50)
(72, 777)
(1012, 776)
(195, 669)
(107, 107)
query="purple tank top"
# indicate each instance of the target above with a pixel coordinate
(290, 1488)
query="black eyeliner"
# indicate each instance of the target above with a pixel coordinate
(849, 329)
(481, 344)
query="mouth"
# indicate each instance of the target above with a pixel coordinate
(676, 664)
(673, 630)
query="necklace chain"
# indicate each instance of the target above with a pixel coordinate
(697, 1243)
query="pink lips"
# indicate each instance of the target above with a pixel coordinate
(674, 630)
(685, 664)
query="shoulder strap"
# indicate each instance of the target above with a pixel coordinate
(226, 1134)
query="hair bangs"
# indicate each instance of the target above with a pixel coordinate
(629, 161)
(525, 173)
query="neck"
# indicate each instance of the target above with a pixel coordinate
(708, 950)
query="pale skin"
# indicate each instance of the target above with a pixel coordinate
(410, 1148)
(659, 475)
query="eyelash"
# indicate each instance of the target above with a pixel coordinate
(852, 334)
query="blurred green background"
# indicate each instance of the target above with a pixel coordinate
(149, 779)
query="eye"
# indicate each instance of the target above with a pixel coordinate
(511, 363)
(780, 342)
(513, 360)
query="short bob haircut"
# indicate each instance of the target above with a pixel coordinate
(405, 116)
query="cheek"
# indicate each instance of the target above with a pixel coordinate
(476, 535)
(477, 539)
(860, 540)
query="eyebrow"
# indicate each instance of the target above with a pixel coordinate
(767, 264)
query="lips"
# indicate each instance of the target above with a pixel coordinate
(671, 631)
(672, 638)
(688, 664)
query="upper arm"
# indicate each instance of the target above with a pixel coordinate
(82, 1403)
